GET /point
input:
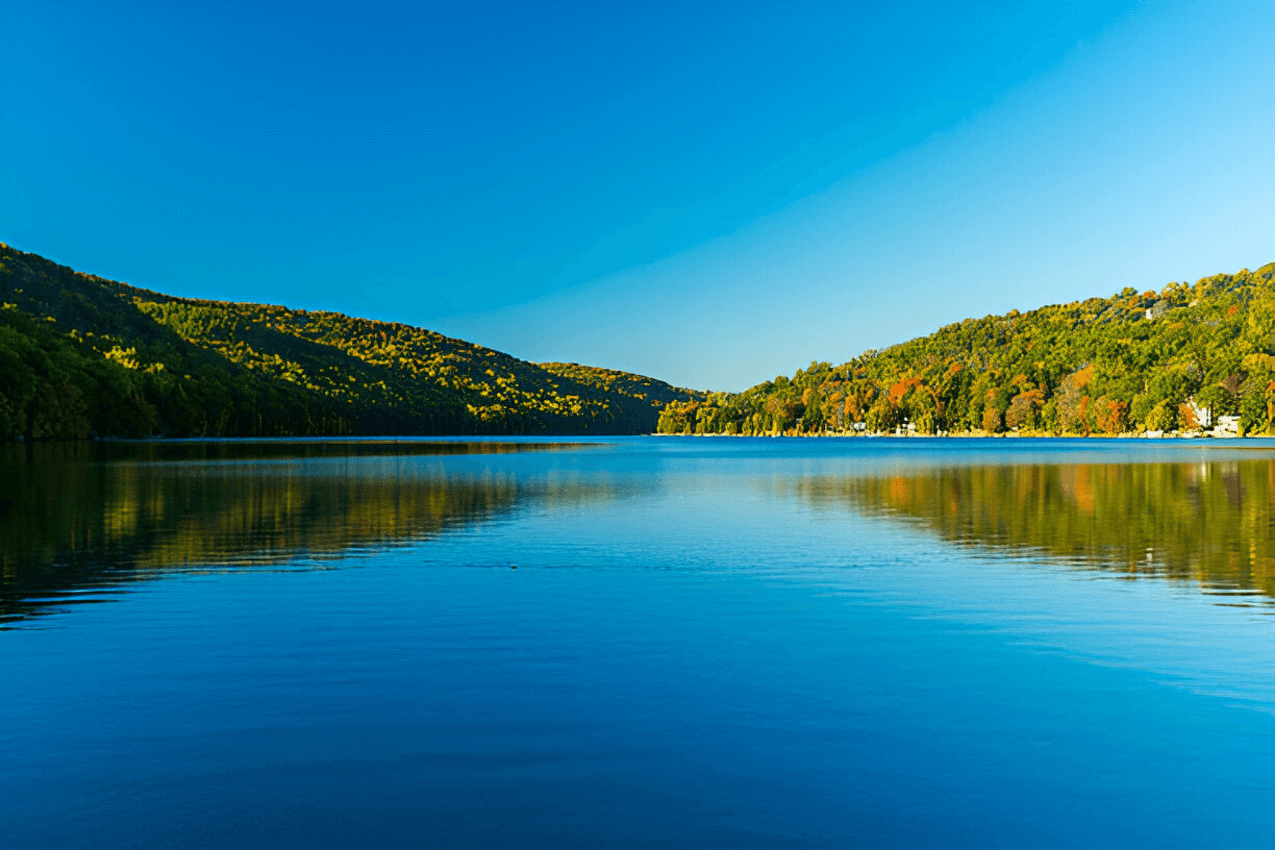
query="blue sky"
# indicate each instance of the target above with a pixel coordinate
(712, 194)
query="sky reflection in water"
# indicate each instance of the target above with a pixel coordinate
(705, 643)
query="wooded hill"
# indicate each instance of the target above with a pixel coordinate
(1148, 361)
(81, 355)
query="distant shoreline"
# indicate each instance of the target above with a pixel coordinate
(974, 435)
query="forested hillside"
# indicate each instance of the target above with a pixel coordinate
(1151, 361)
(82, 355)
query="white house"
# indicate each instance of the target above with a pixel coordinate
(1227, 426)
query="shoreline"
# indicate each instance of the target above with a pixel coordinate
(979, 435)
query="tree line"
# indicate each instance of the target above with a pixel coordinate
(1152, 361)
(83, 356)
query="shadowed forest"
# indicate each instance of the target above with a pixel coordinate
(83, 356)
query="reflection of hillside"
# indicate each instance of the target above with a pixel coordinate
(150, 451)
(69, 526)
(1210, 522)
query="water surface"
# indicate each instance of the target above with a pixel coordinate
(638, 643)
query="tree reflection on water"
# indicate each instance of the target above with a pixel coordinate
(93, 516)
(1208, 522)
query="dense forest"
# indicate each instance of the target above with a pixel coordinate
(83, 356)
(1168, 361)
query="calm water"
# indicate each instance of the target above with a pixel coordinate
(639, 643)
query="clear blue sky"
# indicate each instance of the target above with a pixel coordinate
(709, 193)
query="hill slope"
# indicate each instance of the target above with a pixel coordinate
(80, 354)
(1131, 362)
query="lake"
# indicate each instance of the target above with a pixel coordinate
(638, 642)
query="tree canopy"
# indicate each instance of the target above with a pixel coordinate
(82, 355)
(1150, 361)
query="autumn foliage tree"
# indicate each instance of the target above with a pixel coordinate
(1099, 366)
